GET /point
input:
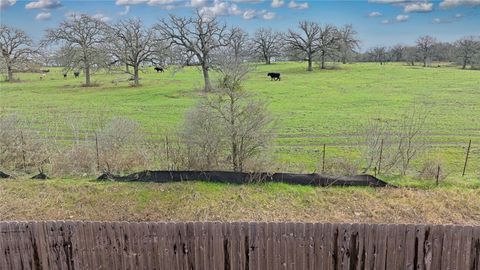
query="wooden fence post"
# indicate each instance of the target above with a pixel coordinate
(323, 160)
(380, 158)
(438, 174)
(466, 158)
(97, 151)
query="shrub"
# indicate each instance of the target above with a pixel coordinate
(341, 166)
(21, 148)
(429, 170)
(121, 146)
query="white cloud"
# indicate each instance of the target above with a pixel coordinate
(4, 4)
(386, 21)
(295, 5)
(418, 7)
(248, 1)
(234, 10)
(220, 8)
(375, 14)
(402, 18)
(43, 16)
(249, 14)
(277, 3)
(264, 14)
(269, 16)
(102, 17)
(43, 4)
(387, 1)
(125, 11)
(457, 3)
(130, 2)
(198, 3)
(459, 15)
(160, 2)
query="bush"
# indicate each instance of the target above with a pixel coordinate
(429, 170)
(122, 146)
(21, 148)
(341, 167)
(80, 159)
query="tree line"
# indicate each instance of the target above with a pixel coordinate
(85, 43)
(427, 49)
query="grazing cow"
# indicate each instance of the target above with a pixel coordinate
(275, 76)
(76, 74)
(159, 69)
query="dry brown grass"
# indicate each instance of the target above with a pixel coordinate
(109, 201)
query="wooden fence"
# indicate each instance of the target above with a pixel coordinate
(229, 246)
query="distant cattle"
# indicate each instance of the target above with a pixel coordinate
(76, 74)
(45, 70)
(159, 69)
(274, 76)
(65, 75)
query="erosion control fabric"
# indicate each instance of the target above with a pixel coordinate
(244, 178)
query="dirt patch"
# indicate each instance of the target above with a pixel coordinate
(245, 178)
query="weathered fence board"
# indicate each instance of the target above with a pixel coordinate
(239, 245)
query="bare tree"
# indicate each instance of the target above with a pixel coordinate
(378, 54)
(328, 43)
(238, 44)
(410, 55)
(425, 45)
(17, 49)
(348, 42)
(232, 121)
(397, 52)
(411, 127)
(267, 44)
(83, 37)
(133, 44)
(199, 34)
(305, 40)
(467, 48)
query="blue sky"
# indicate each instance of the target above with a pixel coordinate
(378, 22)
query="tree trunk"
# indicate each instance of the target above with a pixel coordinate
(135, 76)
(127, 69)
(233, 137)
(309, 63)
(424, 62)
(464, 64)
(323, 61)
(9, 74)
(87, 75)
(206, 78)
(267, 60)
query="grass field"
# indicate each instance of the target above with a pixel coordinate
(311, 108)
(112, 201)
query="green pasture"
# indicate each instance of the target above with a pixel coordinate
(310, 108)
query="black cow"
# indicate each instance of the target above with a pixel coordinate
(159, 69)
(275, 76)
(45, 70)
(76, 74)
(65, 75)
